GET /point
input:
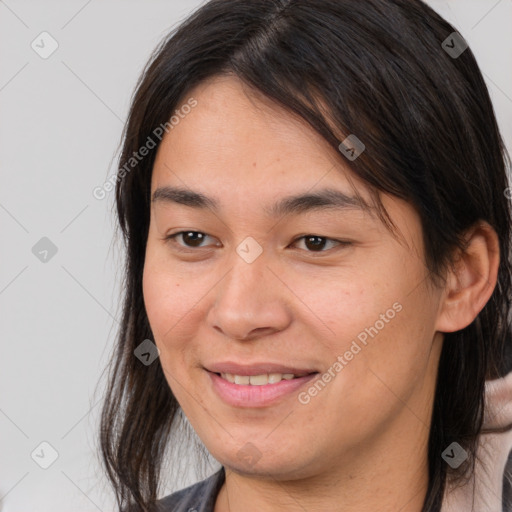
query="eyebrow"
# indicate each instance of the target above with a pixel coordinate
(324, 199)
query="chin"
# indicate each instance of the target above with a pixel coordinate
(277, 466)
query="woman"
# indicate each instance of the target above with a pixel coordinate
(312, 195)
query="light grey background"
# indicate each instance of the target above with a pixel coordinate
(61, 122)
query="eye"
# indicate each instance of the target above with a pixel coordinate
(191, 239)
(313, 243)
(316, 243)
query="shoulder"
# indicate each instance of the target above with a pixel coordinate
(199, 497)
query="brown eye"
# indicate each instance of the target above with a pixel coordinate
(316, 243)
(193, 238)
(189, 238)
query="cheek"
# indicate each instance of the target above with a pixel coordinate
(380, 321)
(174, 305)
(168, 306)
(165, 299)
(386, 359)
(338, 303)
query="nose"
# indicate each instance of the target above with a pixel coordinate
(251, 301)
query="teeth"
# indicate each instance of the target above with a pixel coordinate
(274, 377)
(242, 379)
(257, 380)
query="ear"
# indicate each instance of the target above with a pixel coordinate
(471, 279)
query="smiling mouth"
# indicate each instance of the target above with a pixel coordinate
(260, 390)
(260, 380)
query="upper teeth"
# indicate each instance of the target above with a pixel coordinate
(257, 380)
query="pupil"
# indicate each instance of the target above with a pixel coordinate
(315, 245)
(196, 242)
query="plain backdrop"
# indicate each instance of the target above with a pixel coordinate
(61, 120)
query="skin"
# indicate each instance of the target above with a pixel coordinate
(350, 447)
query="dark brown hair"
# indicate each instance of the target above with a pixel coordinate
(431, 137)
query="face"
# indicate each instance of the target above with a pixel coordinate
(318, 288)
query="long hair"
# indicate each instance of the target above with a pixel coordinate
(377, 69)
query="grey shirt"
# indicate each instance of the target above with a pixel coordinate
(199, 497)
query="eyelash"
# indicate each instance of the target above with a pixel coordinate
(171, 238)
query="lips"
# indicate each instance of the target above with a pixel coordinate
(257, 396)
(258, 369)
(231, 382)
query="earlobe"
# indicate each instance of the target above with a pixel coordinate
(470, 280)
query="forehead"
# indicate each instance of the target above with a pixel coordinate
(235, 135)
